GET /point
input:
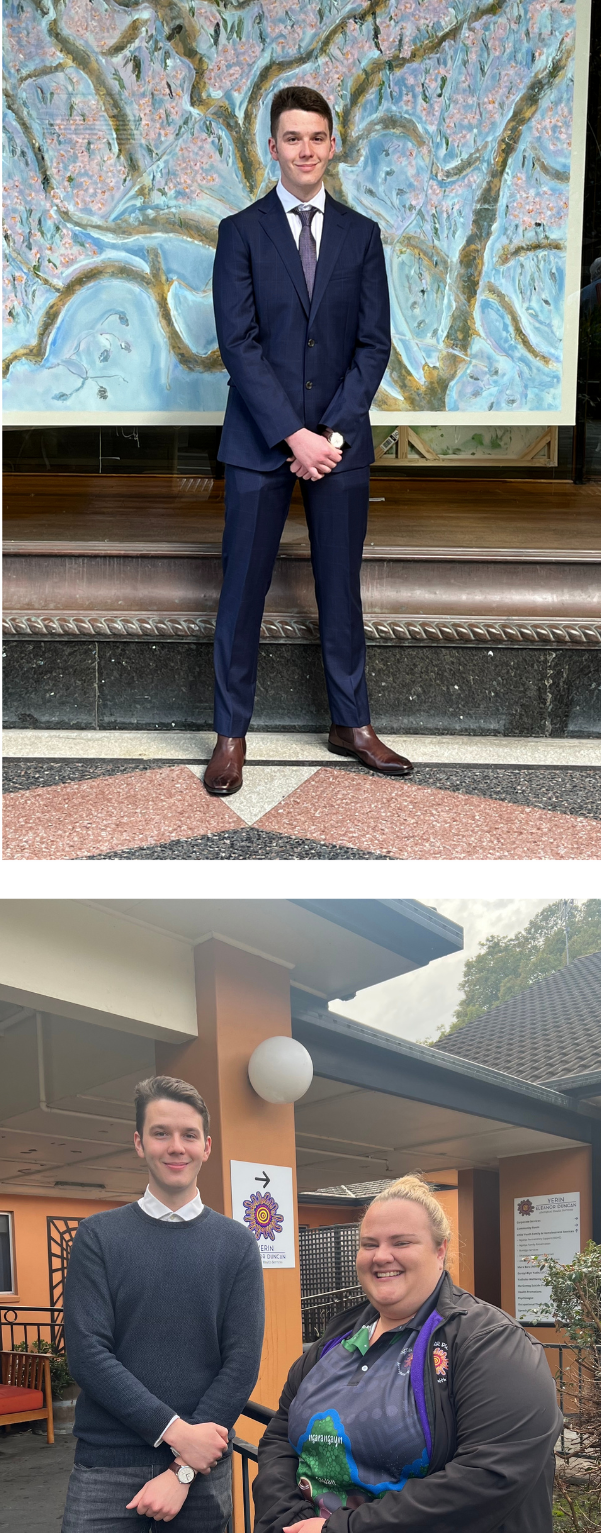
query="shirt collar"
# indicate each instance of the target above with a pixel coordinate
(157, 1210)
(289, 202)
(362, 1336)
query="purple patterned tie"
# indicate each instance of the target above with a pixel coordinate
(307, 246)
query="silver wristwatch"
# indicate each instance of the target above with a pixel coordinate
(335, 438)
(184, 1473)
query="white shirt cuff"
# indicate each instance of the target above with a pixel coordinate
(159, 1440)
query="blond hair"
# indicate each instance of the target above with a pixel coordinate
(413, 1189)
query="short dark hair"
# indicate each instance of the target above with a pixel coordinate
(299, 98)
(159, 1086)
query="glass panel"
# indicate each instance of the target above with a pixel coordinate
(6, 1275)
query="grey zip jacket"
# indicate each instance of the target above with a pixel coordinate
(494, 1422)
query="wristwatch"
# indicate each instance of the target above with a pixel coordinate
(184, 1473)
(335, 438)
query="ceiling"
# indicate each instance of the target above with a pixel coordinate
(346, 1134)
(66, 1118)
(66, 1114)
(324, 957)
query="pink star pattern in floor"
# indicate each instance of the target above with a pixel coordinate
(110, 814)
(164, 812)
(402, 820)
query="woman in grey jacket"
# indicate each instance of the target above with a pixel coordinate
(422, 1408)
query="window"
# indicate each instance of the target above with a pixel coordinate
(6, 1254)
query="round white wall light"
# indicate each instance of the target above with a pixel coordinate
(280, 1070)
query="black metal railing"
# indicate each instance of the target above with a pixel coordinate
(249, 1455)
(317, 1309)
(31, 1323)
(565, 1363)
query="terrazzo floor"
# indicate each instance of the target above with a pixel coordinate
(62, 801)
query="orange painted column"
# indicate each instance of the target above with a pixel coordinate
(242, 999)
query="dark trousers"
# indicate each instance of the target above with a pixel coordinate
(97, 1501)
(256, 507)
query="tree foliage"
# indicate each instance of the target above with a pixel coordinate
(506, 965)
(575, 1306)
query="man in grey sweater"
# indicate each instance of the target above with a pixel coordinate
(164, 1316)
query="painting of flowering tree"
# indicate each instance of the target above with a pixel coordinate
(132, 127)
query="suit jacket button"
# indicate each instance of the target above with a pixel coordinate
(310, 343)
(308, 385)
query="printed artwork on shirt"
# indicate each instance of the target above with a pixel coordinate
(355, 1425)
(441, 1361)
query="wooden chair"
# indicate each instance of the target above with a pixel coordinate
(25, 1391)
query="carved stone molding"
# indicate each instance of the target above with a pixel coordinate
(576, 634)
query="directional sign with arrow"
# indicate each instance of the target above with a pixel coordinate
(262, 1201)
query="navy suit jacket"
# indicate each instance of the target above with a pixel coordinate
(293, 361)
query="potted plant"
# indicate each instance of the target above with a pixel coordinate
(64, 1388)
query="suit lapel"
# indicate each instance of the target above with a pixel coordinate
(278, 229)
(331, 240)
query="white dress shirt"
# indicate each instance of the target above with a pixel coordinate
(157, 1210)
(289, 202)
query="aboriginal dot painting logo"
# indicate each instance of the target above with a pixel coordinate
(263, 1216)
(441, 1361)
(525, 1206)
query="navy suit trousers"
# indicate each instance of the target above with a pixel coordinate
(256, 507)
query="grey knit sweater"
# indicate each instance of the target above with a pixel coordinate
(159, 1319)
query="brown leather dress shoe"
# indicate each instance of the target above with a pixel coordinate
(369, 750)
(224, 772)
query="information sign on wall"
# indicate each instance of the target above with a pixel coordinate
(262, 1200)
(544, 1226)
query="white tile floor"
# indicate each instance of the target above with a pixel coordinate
(263, 788)
(300, 749)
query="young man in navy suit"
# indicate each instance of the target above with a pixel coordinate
(303, 323)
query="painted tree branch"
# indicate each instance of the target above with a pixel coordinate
(371, 74)
(470, 262)
(411, 391)
(19, 111)
(524, 248)
(126, 38)
(406, 127)
(431, 254)
(147, 221)
(161, 288)
(552, 172)
(41, 71)
(153, 281)
(490, 290)
(109, 95)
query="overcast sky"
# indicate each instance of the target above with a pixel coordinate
(414, 1005)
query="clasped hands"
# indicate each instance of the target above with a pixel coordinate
(201, 1446)
(312, 454)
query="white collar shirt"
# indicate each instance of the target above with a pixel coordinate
(289, 203)
(157, 1210)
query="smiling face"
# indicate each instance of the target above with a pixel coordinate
(302, 148)
(174, 1148)
(398, 1262)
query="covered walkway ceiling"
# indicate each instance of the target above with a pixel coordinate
(346, 1134)
(381, 1106)
(66, 1120)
